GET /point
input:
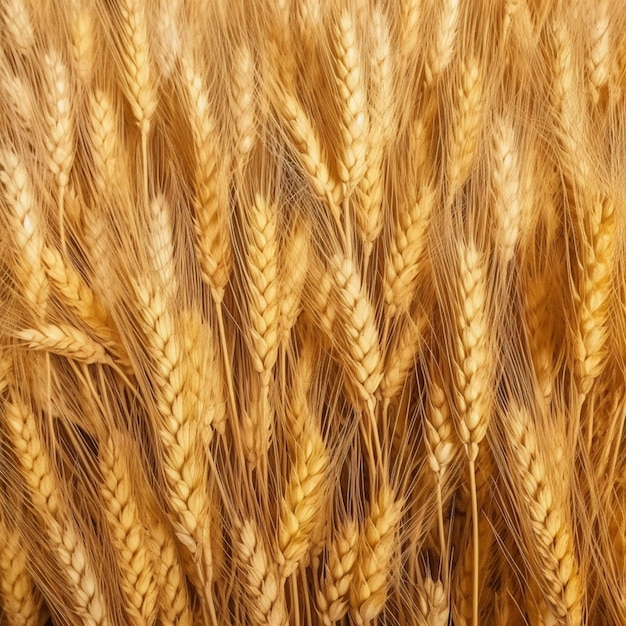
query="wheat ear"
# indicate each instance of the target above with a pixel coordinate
(260, 226)
(433, 602)
(311, 153)
(161, 246)
(377, 546)
(353, 103)
(26, 224)
(472, 370)
(509, 205)
(294, 267)
(545, 519)
(19, 26)
(243, 107)
(359, 339)
(402, 353)
(128, 533)
(177, 427)
(303, 498)
(263, 585)
(168, 40)
(593, 294)
(139, 79)
(404, 253)
(370, 190)
(174, 601)
(441, 447)
(343, 553)
(19, 598)
(464, 126)
(213, 244)
(599, 56)
(60, 138)
(103, 140)
(47, 496)
(440, 55)
(83, 29)
(64, 340)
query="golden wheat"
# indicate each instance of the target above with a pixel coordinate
(312, 313)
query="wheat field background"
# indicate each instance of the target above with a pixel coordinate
(312, 312)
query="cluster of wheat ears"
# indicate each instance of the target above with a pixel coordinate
(312, 312)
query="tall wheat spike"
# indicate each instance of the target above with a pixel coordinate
(312, 313)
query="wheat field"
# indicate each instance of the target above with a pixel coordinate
(312, 312)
